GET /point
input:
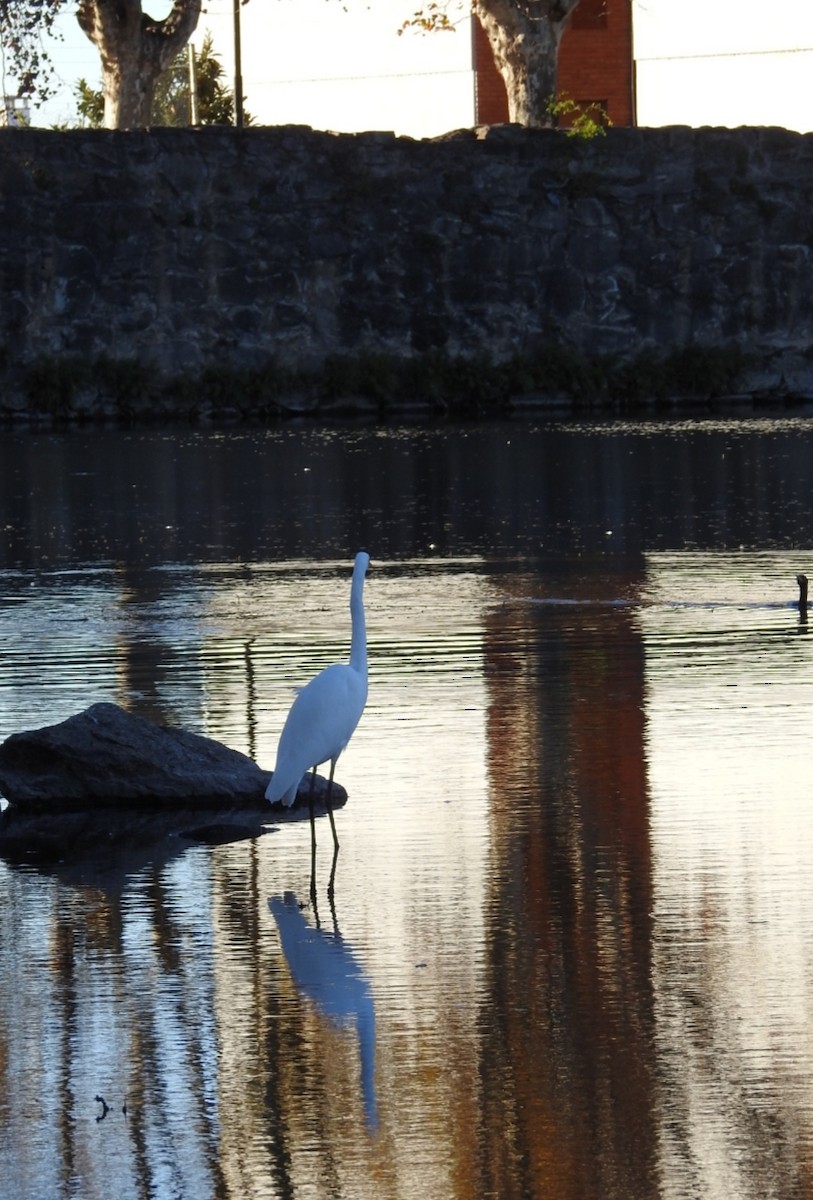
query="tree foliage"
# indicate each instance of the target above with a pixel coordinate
(23, 23)
(90, 105)
(172, 101)
(585, 121)
(171, 104)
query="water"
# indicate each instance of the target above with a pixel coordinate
(570, 951)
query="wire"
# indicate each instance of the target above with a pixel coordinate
(359, 78)
(725, 54)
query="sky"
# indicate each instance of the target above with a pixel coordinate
(343, 66)
(724, 62)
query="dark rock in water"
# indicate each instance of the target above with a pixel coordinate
(104, 757)
(105, 773)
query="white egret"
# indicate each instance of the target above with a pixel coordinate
(324, 714)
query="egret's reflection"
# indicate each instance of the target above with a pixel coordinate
(329, 976)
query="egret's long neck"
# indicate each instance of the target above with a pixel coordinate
(358, 639)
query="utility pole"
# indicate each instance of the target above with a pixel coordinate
(238, 69)
(194, 115)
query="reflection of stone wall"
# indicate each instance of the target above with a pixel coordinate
(208, 251)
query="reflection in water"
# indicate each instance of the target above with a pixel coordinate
(802, 582)
(146, 653)
(575, 858)
(328, 975)
(569, 990)
(729, 763)
(99, 998)
(152, 497)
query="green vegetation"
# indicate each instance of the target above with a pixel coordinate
(584, 121)
(61, 387)
(171, 102)
(384, 385)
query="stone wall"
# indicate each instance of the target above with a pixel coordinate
(179, 269)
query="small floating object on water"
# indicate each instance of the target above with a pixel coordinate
(802, 582)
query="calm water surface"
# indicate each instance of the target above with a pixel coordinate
(571, 951)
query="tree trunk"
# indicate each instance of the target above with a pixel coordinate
(524, 37)
(135, 50)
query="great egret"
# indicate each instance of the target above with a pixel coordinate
(324, 714)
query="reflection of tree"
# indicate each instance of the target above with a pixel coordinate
(104, 1018)
(144, 661)
(567, 1071)
(727, 1115)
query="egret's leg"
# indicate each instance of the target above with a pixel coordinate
(329, 808)
(328, 805)
(313, 837)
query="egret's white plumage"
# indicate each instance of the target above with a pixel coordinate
(325, 713)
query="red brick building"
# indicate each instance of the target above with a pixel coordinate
(595, 64)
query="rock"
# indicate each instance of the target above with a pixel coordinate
(105, 757)
(108, 774)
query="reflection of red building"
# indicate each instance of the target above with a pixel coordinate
(595, 64)
(568, 1103)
